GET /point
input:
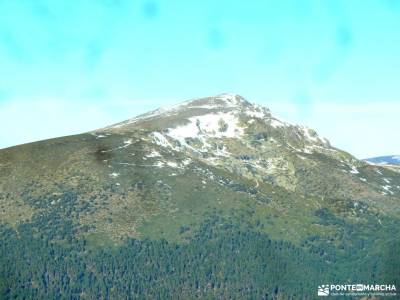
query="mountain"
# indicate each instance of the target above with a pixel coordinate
(389, 162)
(385, 160)
(213, 198)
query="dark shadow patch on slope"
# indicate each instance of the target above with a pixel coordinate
(102, 153)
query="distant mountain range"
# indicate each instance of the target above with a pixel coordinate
(213, 198)
(385, 160)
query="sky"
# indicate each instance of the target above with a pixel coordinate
(70, 66)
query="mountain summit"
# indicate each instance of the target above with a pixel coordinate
(224, 142)
(228, 132)
(225, 115)
(214, 179)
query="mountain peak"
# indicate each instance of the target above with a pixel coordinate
(197, 124)
(222, 103)
(163, 175)
(233, 100)
(229, 133)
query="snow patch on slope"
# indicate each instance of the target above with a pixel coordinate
(153, 153)
(354, 170)
(210, 125)
(309, 134)
(161, 140)
(276, 123)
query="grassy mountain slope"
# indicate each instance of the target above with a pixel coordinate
(189, 186)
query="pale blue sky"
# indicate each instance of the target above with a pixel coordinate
(71, 66)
